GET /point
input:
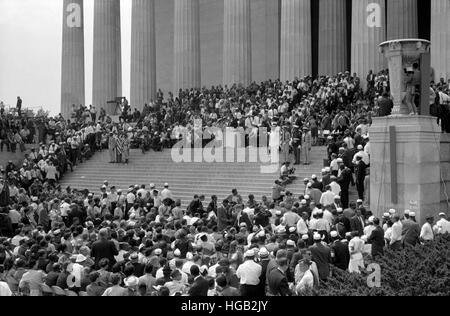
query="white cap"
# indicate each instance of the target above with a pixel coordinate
(131, 281)
(307, 197)
(152, 185)
(309, 185)
(189, 256)
(305, 237)
(313, 176)
(166, 184)
(442, 214)
(371, 218)
(339, 160)
(317, 237)
(386, 215)
(412, 214)
(278, 213)
(263, 252)
(80, 258)
(334, 234)
(359, 201)
(303, 202)
(327, 169)
(407, 212)
(158, 251)
(282, 230)
(249, 253)
(360, 147)
(339, 210)
(337, 197)
(177, 252)
(292, 229)
(349, 234)
(290, 243)
(392, 211)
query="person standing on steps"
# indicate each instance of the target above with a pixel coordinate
(306, 144)
(112, 144)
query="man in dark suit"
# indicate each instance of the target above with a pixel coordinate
(357, 223)
(377, 239)
(104, 248)
(224, 218)
(201, 285)
(344, 180)
(385, 105)
(341, 252)
(410, 230)
(265, 259)
(278, 283)
(321, 255)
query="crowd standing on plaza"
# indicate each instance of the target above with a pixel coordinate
(140, 241)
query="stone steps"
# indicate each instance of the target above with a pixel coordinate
(185, 179)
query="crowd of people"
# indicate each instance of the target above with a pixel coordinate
(141, 241)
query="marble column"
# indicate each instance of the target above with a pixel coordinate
(402, 19)
(237, 52)
(72, 65)
(440, 38)
(107, 72)
(332, 37)
(187, 71)
(368, 32)
(143, 53)
(296, 49)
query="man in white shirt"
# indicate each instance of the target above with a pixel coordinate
(335, 187)
(443, 225)
(166, 193)
(396, 238)
(249, 273)
(426, 233)
(302, 224)
(327, 197)
(361, 153)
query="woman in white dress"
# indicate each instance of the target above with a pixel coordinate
(304, 278)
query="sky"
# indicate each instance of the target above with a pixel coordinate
(30, 51)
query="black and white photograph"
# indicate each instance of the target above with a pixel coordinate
(227, 152)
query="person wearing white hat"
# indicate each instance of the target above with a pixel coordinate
(442, 225)
(410, 229)
(249, 274)
(166, 193)
(363, 156)
(321, 255)
(340, 252)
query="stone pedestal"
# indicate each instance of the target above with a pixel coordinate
(72, 66)
(440, 38)
(405, 165)
(107, 64)
(296, 54)
(332, 37)
(368, 31)
(237, 52)
(143, 53)
(187, 71)
(402, 19)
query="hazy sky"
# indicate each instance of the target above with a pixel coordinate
(30, 51)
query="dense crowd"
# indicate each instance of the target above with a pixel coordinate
(141, 241)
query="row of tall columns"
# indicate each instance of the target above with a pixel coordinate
(187, 71)
(370, 27)
(72, 66)
(143, 53)
(368, 31)
(237, 54)
(107, 77)
(296, 45)
(332, 37)
(440, 38)
(402, 19)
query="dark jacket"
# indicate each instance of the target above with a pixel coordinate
(341, 255)
(410, 232)
(356, 225)
(104, 249)
(200, 287)
(278, 283)
(377, 241)
(321, 255)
